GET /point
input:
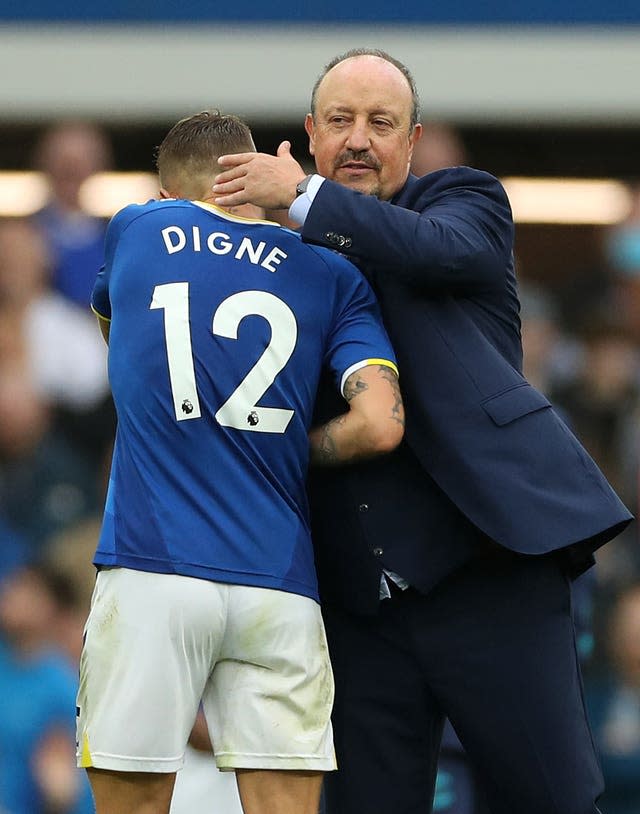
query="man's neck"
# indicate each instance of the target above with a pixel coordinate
(244, 211)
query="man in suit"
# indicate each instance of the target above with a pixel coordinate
(445, 566)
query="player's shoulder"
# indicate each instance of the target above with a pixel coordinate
(131, 213)
(336, 264)
(339, 275)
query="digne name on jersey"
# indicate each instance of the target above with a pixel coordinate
(177, 239)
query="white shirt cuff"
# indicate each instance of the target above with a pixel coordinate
(299, 209)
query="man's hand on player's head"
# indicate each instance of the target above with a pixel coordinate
(264, 180)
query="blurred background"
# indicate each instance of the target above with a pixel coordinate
(545, 97)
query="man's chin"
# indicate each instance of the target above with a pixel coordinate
(368, 186)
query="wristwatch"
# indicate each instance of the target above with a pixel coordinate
(302, 186)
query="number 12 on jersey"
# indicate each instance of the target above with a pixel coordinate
(240, 411)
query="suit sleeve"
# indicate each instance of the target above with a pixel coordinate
(451, 231)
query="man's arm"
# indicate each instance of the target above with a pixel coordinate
(373, 424)
(453, 233)
(456, 235)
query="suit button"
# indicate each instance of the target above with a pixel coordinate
(347, 242)
(363, 507)
(332, 237)
(378, 552)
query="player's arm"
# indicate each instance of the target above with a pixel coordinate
(373, 424)
(100, 302)
(104, 324)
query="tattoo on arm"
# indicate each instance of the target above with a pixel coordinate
(353, 386)
(397, 413)
(364, 430)
(327, 452)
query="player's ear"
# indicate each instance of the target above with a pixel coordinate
(164, 193)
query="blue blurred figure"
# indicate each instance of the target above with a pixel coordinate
(37, 685)
(68, 154)
(614, 702)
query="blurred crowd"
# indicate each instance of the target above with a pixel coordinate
(582, 349)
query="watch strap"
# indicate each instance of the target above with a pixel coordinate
(301, 188)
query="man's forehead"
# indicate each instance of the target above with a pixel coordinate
(364, 78)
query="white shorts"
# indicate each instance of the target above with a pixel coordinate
(156, 645)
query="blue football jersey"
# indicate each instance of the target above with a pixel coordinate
(220, 327)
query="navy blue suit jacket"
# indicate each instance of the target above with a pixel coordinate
(486, 460)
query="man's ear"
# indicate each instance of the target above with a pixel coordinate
(414, 137)
(308, 126)
(417, 133)
(164, 193)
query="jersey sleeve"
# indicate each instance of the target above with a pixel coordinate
(100, 303)
(358, 337)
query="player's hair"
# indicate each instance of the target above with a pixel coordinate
(187, 157)
(372, 52)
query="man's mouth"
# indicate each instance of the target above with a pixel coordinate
(356, 167)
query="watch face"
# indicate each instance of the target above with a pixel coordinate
(302, 186)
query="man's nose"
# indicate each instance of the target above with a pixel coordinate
(359, 136)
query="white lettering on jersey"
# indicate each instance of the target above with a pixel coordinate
(182, 239)
(225, 245)
(175, 240)
(276, 256)
(247, 247)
